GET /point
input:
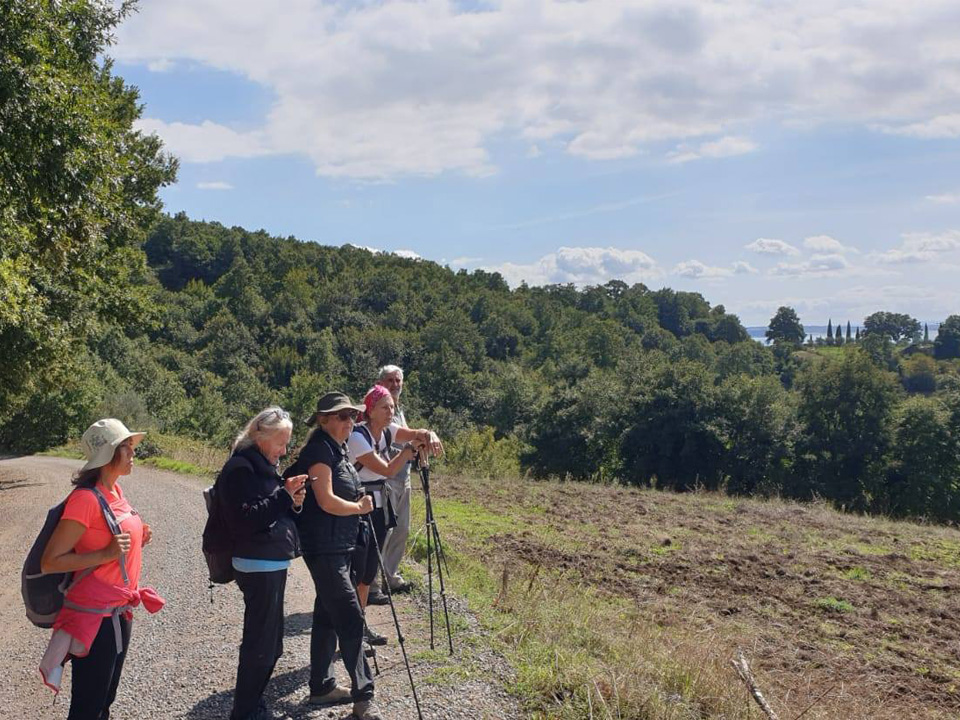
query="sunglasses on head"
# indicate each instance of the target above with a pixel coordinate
(276, 416)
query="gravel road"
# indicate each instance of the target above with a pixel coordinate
(182, 661)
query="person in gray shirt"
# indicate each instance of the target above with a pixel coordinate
(398, 489)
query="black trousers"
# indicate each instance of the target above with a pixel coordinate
(96, 676)
(262, 642)
(336, 616)
(365, 563)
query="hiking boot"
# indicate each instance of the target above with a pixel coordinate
(373, 637)
(335, 696)
(401, 587)
(366, 710)
(377, 598)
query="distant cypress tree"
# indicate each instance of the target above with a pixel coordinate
(858, 335)
(848, 331)
(830, 332)
(926, 333)
(838, 335)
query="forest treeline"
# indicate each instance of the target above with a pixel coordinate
(109, 307)
(614, 382)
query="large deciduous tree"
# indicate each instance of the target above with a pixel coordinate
(925, 468)
(892, 326)
(78, 188)
(845, 411)
(785, 327)
(947, 343)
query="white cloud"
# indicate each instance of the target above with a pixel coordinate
(464, 261)
(724, 147)
(769, 246)
(406, 254)
(942, 126)
(855, 302)
(827, 244)
(921, 248)
(817, 265)
(207, 142)
(945, 198)
(741, 267)
(697, 269)
(392, 88)
(161, 65)
(216, 185)
(583, 266)
(371, 250)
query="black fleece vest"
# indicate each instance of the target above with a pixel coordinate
(320, 532)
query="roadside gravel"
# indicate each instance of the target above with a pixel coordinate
(182, 661)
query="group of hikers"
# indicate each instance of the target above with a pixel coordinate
(344, 500)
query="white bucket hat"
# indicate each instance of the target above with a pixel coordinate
(101, 440)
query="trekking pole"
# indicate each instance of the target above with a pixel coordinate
(368, 649)
(437, 549)
(373, 651)
(396, 620)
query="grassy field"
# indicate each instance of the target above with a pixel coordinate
(616, 603)
(623, 603)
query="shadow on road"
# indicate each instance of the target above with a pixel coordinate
(218, 705)
(17, 483)
(297, 624)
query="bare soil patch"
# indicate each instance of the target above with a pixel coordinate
(863, 611)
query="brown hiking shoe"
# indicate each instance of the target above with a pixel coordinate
(335, 696)
(366, 710)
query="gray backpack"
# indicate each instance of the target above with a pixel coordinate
(43, 593)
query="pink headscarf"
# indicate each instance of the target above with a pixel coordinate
(373, 396)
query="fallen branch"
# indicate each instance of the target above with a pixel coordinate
(743, 670)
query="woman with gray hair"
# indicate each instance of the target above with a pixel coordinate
(258, 508)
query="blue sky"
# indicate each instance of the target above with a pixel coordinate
(801, 152)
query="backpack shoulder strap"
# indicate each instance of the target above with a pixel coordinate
(114, 528)
(365, 431)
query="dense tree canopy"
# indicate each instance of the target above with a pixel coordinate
(78, 188)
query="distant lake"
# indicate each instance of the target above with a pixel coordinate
(820, 331)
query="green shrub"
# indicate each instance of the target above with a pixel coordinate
(478, 452)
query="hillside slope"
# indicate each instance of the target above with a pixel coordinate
(634, 601)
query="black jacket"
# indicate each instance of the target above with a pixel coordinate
(257, 510)
(320, 532)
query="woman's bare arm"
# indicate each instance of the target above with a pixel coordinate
(321, 481)
(375, 463)
(59, 555)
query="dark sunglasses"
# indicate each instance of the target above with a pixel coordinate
(345, 414)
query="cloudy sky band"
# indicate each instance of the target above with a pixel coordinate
(743, 149)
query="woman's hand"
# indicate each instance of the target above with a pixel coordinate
(119, 545)
(430, 441)
(147, 535)
(296, 486)
(365, 505)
